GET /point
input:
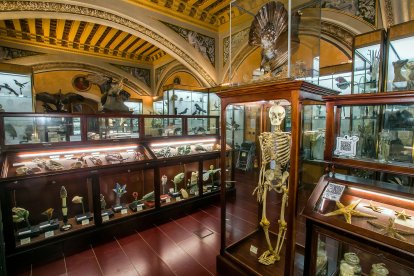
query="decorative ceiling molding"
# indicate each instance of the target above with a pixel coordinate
(337, 33)
(363, 9)
(204, 44)
(54, 7)
(171, 69)
(59, 66)
(142, 74)
(161, 69)
(8, 53)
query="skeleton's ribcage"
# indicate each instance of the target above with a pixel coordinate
(276, 146)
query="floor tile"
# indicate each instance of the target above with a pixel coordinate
(200, 251)
(83, 263)
(53, 268)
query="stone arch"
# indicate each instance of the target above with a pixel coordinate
(119, 16)
(171, 70)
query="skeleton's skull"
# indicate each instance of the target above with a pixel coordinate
(277, 113)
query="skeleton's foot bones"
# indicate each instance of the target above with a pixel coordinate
(269, 258)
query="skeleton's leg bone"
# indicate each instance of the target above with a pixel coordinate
(282, 222)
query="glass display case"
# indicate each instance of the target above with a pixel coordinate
(374, 219)
(400, 61)
(32, 218)
(16, 93)
(270, 190)
(159, 126)
(110, 128)
(235, 125)
(368, 62)
(38, 129)
(126, 192)
(135, 106)
(374, 131)
(181, 100)
(267, 40)
(158, 107)
(184, 147)
(179, 182)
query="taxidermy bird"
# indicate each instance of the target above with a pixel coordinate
(9, 128)
(199, 109)
(269, 30)
(57, 102)
(342, 83)
(8, 87)
(183, 112)
(20, 85)
(113, 96)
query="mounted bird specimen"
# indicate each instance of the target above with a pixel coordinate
(269, 30)
(113, 96)
(57, 102)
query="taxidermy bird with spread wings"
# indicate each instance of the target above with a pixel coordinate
(57, 102)
(269, 30)
(113, 96)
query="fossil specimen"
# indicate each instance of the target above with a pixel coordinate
(402, 215)
(390, 230)
(373, 207)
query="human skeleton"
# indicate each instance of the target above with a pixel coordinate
(275, 147)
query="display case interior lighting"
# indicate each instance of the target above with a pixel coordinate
(163, 144)
(86, 150)
(381, 194)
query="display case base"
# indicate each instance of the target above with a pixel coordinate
(49, 225)
(82, 217)
(27, 232)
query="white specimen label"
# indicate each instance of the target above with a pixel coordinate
(25, 241)
(253, 249)
(124, 211)
(85, 222)
(105, 218)
(49, 234)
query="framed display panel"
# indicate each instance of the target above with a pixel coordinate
(203, 125)
(31, 217)
(400, 59)
(242, 250)
(378, 226)
(40, 129)
(371, 132)
(181, 182)
(293, 55)
(112, 128)
(368, 62)
(158, 107)
(16, 88)
(126, 192)
(184, 100)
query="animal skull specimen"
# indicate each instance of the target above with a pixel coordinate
(277, 114)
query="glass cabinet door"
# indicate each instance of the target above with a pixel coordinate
(48, 207)
(179, 182)
(112, 128)
(126, 192)
(160, 127)
(34, 130)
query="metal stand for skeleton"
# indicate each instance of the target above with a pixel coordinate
(275, 147)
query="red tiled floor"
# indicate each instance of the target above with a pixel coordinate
(176, 258)
(83, 263)
(113, 260)
(174, 231)
(53, 268)
(145, 260)
(200, 251)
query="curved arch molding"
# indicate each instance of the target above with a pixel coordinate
(57, 66)
(56, 7)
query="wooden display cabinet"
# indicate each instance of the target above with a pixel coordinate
(236, 252)
(369, 147)
(111, 171)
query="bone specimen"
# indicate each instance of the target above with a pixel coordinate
(96, 161)
(53, 165)
(390, 230)
(275, 150)
(348, 211)
(114, 157)
(76, 165)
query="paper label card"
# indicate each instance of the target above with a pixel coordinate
(85, 222)
(253, 249)
(139, 208)
(25, 241)
(178, 199)
(124, 211)
(168, 200)
(196, 193)
(333, 191)
(105, 218)
(49, 234)
(171, 190)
